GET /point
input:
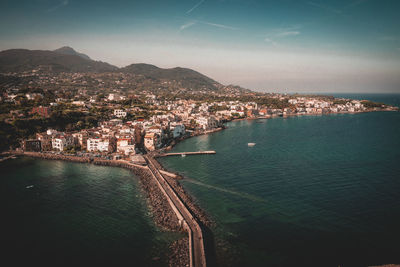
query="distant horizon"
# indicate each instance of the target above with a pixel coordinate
(286, 45)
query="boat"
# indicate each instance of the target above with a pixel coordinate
(251, 144)
(29, 186)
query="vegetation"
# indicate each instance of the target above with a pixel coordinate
(370, 104)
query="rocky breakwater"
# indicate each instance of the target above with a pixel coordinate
(54, 156)
(161, 211)
(186, 198)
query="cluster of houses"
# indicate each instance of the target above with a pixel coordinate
(177, 119)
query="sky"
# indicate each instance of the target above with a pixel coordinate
(271, 46)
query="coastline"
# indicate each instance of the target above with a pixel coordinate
(163, 216)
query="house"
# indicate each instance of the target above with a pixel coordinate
(98, 144)
(78, 103)
(115, 97)
(207, 123)
(45, 141)
(119, 113)
(151, 141)
(42, 111)
(126, 145)
(92, 144)
(32, 145)
(81, 139)
(177, 130)
(60, 142)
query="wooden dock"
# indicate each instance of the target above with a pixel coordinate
(208, 152)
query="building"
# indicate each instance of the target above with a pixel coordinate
(120, 113)
(126, 145)
(98, 144)
(115, 97)
(42, 111)
(92, 144)
(177, 130)
(61, 142)
(81, 139)
(151, 141)
(45, 141)
(207, 123)
(33, 145)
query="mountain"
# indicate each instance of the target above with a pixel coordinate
(66, 59)
(19, 60)
(66, 50)
(187, 78)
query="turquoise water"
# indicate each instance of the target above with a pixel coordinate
(76, 215)
(314, 191)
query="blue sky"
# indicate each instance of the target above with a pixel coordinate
(286, 46)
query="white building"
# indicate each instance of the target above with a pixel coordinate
(62, 141)
(120, 113)
(92, 144)
(207, 122)
(97, 144)
(126, 145)
(115, 97)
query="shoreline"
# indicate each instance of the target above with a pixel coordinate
(162, 213)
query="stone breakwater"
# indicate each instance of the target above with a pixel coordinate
(54, 156)
(186, 198)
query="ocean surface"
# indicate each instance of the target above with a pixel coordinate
(57, 213)
(313, 191)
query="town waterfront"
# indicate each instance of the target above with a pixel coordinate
(313, 191)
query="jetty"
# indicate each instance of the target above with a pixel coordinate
(207, 152)
(197, 255)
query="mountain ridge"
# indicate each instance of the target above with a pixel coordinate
(66, 59)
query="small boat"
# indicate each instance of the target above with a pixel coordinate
(251, 144)
(29, 186)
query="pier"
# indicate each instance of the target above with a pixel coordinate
(197, 255)
(207, 152)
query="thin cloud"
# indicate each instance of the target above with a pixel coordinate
(277, 34)
(288, 33)
(270, 41)
(195, 6)
(325, 7)
(62, 4)
(222, 26)
(187, 25)
(217, 25)
(389, 38)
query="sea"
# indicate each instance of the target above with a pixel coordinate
(313, 191)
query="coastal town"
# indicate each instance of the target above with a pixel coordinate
(127, 120)
(123, 124)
